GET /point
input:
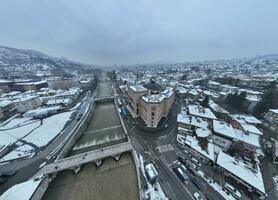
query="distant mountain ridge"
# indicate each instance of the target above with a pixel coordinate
(12, 57)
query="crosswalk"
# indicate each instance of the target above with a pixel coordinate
(165, 148)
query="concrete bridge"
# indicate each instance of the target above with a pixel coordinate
(74, 162)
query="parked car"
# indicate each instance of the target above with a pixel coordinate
(197, 196)
(196, 162)
(7, 174)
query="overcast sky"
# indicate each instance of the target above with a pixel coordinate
(127, 32)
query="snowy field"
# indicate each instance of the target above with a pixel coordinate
(23, 151)
(20, 130)
(51, 127)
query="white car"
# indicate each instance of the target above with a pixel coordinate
(197, 196)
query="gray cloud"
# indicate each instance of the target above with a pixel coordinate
(116, 32)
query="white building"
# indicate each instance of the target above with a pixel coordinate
(72, 93)
(27, 103)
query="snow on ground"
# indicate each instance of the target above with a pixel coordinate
(15, 122)
(22, 191)
(50, 128)
(8, 120)
(20, 152)
(11, 135)
(76, 106)
(6, 139)
(155, 192)
(216, 186)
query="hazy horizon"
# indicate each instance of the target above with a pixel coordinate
(108, 33)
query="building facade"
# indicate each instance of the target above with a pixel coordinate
(27, 103)
(271, 118)
(150, 105)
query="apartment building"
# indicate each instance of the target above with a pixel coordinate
(151, 102)
(27, 103)
(271, 117)
(7, 109)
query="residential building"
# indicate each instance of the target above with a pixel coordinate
(150, 102)
(271, 118)
(27, 103)
(7, 109)
(34, 86)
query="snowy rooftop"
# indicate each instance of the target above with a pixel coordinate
(5, 81)
(138, 88)
(27, 98)
(213, 83)
(251, 129)
(242, 171)
(192, 120)
(32, 83)
(194, 143)
(58, 101)
(203, 132)
(229, 86)
(157, 98)
(4, 103)
(236, 134)
(274, 110)
(22, 191)
(253, 98)
(40, 111)
(244, 119)
(201, 112)
(13, 93)
(215, 107)
(71, 91)
(193, 92)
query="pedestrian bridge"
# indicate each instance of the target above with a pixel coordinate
(80, 159)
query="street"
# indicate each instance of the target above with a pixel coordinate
(162, 150)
